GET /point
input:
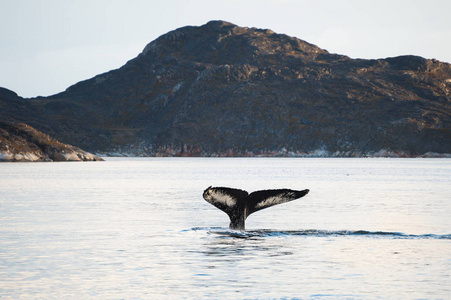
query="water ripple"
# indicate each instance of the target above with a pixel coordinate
(316, 233)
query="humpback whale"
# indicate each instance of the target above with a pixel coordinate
(239, 204)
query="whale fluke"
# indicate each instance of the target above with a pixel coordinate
(239, 204)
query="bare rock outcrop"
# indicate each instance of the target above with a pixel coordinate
(20, 142)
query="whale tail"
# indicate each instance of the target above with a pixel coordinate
(239, 204)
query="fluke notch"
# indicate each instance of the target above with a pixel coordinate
(239, 204)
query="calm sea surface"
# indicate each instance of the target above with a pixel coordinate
(140, 229)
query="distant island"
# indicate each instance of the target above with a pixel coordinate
(224, 90)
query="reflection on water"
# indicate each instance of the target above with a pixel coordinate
(139, 228)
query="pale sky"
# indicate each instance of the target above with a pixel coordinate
(48, 45)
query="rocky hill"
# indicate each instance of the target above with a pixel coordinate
(21, 142)
(221, 89)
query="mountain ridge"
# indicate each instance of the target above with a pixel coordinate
(221, 89)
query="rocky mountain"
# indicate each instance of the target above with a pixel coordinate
(221, 89)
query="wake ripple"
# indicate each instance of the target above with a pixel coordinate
(317, 233)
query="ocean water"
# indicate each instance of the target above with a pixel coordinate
(140, 229)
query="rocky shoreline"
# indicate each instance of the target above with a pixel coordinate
(196, 151)
(22, 143)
